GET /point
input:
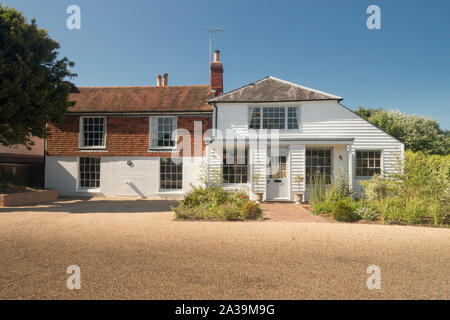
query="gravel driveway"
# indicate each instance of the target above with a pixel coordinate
(132, 250)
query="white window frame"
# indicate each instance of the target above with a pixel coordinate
(235, 151)
(84, 189)
(368, 150)
(175, 139)
(81, 134)
(319, 147)
(159, 177)
(286, 113)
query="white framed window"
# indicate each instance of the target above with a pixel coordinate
(274, 118)
(235, 165)
(318, 165)
(161, 129)
(292, 118)
(170, 174)
(93, 132)
(368, 163)
(89, 172)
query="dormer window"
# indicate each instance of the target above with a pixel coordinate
(281, 118)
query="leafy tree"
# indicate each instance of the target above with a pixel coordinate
(32, 87)
(418, 133)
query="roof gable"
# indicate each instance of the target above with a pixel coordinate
(141, 99)
(271, 89)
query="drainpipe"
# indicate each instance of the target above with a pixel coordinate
(214, 121)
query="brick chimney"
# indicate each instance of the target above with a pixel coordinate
(158, 80)
(165, 81)
(217, 74)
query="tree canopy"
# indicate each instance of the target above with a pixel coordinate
(418, 133)
(32, 87)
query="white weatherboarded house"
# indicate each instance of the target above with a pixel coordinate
(309, 132)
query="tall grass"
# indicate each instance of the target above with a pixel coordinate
(318, 187)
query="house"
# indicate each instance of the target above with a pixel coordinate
(124, 141)
(25, 166)
(157, 141)
(308, 132)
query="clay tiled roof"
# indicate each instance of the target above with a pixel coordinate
(141, 99)
(271, 89)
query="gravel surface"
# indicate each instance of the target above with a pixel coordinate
(131, 250)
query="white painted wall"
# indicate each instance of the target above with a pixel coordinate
(61, 174)
(192, 169)
(117, 178)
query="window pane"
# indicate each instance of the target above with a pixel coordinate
(255, 118)
(318, 164)
(274, 118)
(161, 131)
(93, 132)
(171, 174)
(292, 118)
(235, 165)
(89, 172)
(368, 163)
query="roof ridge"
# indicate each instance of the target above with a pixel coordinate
(121, 87)
(326, 95)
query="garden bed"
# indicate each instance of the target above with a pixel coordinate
(213, 203)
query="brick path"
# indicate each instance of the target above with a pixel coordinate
(280, 211)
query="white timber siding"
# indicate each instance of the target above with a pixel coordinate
(258, 158)
(215, 154)
(321, 120)
(297, 167)
(117, 178)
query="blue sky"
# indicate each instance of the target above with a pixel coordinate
(323, 44)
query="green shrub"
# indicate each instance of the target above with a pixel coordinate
(378, 187)
(251, 210)
(403, 210)
(211, 203)
(184, 212)
(426, 176)
(367, 213)
(323, 207)
(339, 187)
(343, 212)
(229, 211)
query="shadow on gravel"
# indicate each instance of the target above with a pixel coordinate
(97, 206)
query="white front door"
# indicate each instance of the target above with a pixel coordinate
(277, 183)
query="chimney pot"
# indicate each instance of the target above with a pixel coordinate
(158, 80)
(165, 81)
(216, 56)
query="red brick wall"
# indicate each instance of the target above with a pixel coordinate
(125, 136)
